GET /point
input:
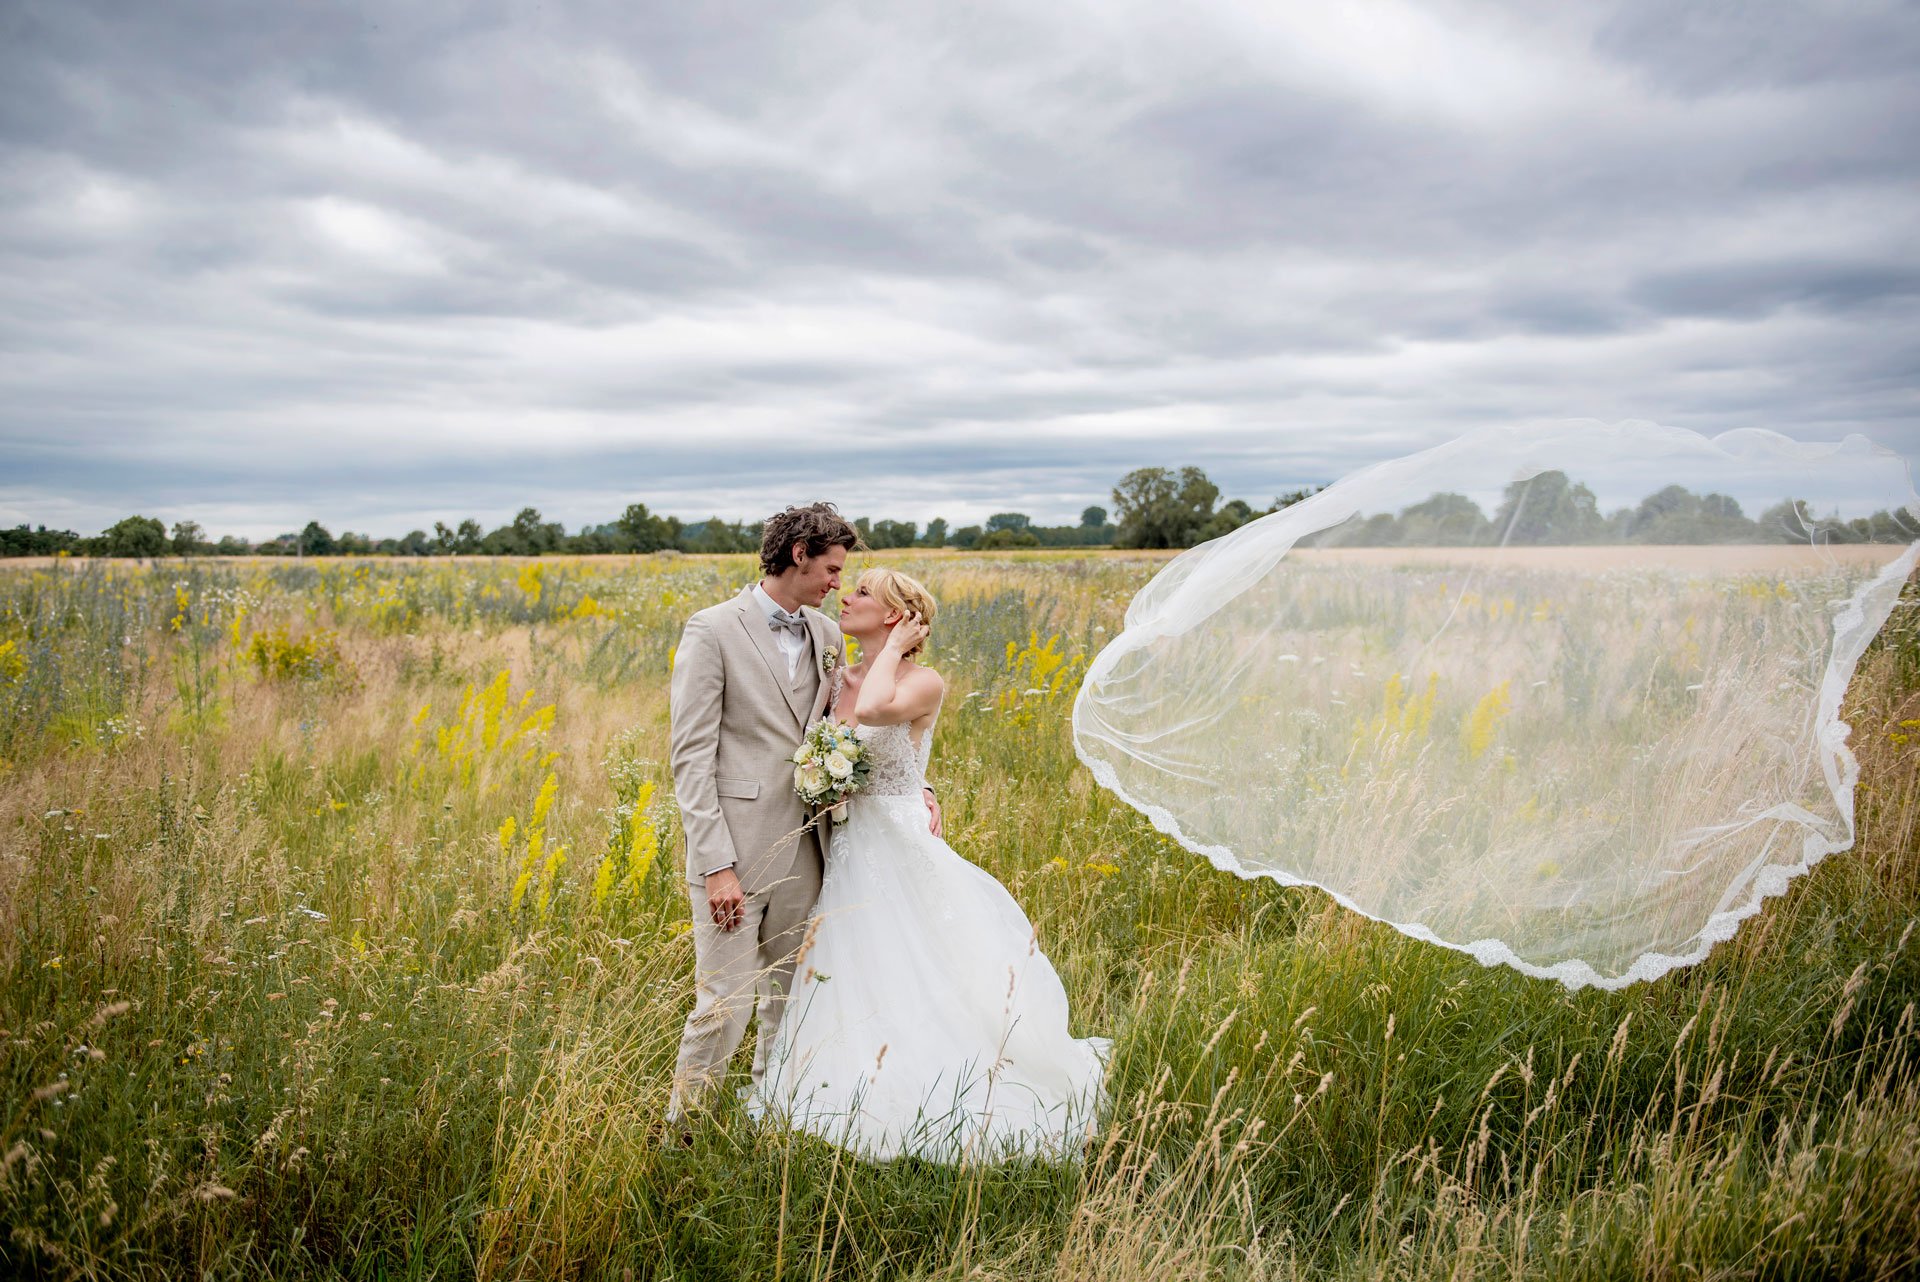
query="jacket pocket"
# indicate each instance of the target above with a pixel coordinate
(745, 789)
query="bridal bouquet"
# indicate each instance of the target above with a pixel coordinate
(830, 765)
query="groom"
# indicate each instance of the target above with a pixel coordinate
(748, 677)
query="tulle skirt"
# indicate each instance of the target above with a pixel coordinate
(924, 1019)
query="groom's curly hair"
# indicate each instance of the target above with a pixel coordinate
(818, 525)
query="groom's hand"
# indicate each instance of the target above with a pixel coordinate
(933, 812)
(724, 898)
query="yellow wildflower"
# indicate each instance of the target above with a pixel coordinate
(1477, 728)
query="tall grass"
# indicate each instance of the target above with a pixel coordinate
(272, 1006)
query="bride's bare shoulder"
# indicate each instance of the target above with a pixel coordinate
(926, 684)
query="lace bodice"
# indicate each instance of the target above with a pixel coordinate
(899, 764)
(899, 767)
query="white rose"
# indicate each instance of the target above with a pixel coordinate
(799, 756)
(810, 777)
(838, 766)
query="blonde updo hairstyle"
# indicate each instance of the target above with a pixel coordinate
(900, 592)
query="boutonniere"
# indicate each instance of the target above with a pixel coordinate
(829, 660)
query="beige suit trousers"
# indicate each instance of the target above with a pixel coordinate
(736, 717)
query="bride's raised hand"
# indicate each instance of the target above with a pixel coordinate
(908, 633)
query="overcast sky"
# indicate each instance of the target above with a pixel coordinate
(384, 264)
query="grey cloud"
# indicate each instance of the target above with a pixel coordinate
(1567, 313)
(1749, 290)
(1743, 44)
(489, 254)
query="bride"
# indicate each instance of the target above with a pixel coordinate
(924, 1018)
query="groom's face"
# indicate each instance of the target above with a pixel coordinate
(817, 575)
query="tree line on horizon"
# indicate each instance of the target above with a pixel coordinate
(1154, 507)
(637, 530)
(1552, 508)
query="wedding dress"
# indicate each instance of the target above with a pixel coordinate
(924, 1019)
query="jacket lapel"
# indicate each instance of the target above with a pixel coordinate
(822, 646)
(761, 635)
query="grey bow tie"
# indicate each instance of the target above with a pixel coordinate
(781, 621)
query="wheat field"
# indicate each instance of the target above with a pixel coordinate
(344, 937)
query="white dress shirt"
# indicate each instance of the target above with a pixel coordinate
(792, 644)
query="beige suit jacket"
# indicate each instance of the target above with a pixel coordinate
(735, 719)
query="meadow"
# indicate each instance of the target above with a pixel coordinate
(344, 935)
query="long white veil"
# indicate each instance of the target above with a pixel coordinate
(1563, 698)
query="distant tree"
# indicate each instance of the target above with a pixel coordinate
(892, 534)
(1015, 521)
(467, 536)
(40, 541)
(1094, 515)
(966, 536)
(1887, 526)
(936, 535)
(864, 528)
(1677, 515)
(527, 534)
(1075, 536)
(414, 543)
(535, 536)
(1548, 508)
(1147, 500)
(1233, 514)
(1007, 537)
(1794, 521)
(1444, 520)
(352, 543)
(232, 545)
(643, 531)
(315, 540)
(1661, 504)
(1197, 493)
(1381, 530)
(1158, 508)
(1294, 496)
(594, 539)
(135, 536)
(716, 535)
(189, 539)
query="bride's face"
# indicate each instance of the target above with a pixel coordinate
(861, 611)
